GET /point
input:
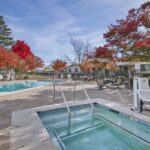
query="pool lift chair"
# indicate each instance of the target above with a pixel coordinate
(65, 100)
(141, 90)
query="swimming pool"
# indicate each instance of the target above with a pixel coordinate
(106, 130)
(16, 86)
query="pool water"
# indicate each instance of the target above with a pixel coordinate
(106, 130)
(10, 87)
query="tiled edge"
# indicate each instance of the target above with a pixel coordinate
(125, 110)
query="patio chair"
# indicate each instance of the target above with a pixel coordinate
(143, 92)
(100, 83)
(119, 81)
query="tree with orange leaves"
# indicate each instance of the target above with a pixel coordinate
(103, 58)
(8, 59)
(59, 65)
(86, 66)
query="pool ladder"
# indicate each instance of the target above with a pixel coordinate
(65, 100)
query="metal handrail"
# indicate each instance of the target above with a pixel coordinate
(75, 82)
(65, 100)
(86, 94)
(69, 112)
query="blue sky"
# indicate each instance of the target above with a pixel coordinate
(46, 25)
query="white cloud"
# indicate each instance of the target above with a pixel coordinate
(48, 35)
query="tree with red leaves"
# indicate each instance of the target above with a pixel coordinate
(103, 52)
(130, 37)
(21, 49)
(28, 60)
(59, 65)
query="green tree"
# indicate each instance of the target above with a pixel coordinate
(5, 34)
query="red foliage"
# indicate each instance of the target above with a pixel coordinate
(21, 49)
(59, 65)
(126, 36)
(144, 43)
(29, 60)
(103, 52)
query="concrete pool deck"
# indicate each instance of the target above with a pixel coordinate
(26, 125)
(44, 96)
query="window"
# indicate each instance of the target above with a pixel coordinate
(125, 68)
(143, 67)
(76, 70)
(148, 67)
(69, 70)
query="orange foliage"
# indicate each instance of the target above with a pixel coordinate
(86, 66)
(11, 60)
(8, 59)
(59, 65)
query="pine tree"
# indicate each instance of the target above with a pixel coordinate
(5, 34)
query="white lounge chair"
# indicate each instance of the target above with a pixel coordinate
(143, 92)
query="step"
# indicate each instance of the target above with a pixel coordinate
(75, 127)
(65, 115)
(63, 118)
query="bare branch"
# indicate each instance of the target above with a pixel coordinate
(80, 48)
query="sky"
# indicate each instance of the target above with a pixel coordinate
(47, 25)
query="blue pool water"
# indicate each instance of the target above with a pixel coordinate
(10, 87)
(106, 130)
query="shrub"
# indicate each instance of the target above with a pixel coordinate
(26, 77)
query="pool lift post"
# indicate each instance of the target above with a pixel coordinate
(135, 93)
(74, 91)
(135, 87)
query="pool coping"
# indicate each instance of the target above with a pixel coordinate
(16, 81)
(26, 125)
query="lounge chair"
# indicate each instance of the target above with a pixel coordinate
(143, 92)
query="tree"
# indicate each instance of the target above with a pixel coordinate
(8, 59)
(5, 34)
(39, 63)
(102, 58)
(28, 61)
(130, 37)
(22, 49)
(80, 49)
(58, 65)
(86, 66)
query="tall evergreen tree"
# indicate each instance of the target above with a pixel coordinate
(5, 34)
